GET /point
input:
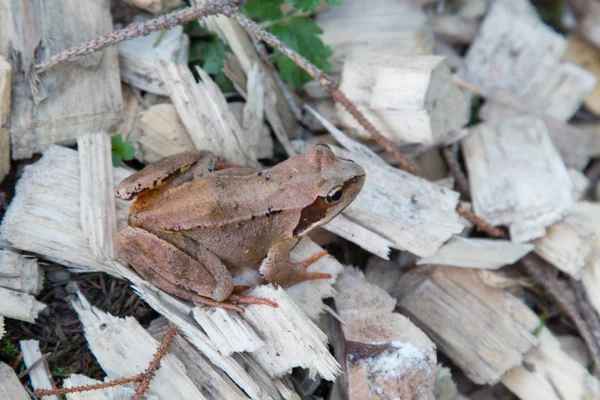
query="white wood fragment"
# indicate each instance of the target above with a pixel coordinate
(138, 57)
(162, 133)
(484, 331)
(215, 385)
(568, 140)
(155, 6)
(385, 354)
(591, 135)
(518, 53)
(5, 108)
(20, 272)
(40, 375)
(411, 100)
(122, 392)
(204, 112)
(568, 245)
(408, 212)
(291, 338)
(549, 373)
(264, 143)
(10, 387)
(362, 236)
(98, 216)
(2, 330)
(123, 348)
(62, 103)
(586, 56)
(455, 29)
(254, 109)
(517, 177)
(580, 182)
(444, 387)
(576, 348)
(478, 253)
(18, 305)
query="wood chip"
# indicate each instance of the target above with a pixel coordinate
(478, 253)
(411, 100)
(64, 102)
(18, 305)
(517, 177)
(5, 108)
(518, 53)
(156, 6)
(10, 387)
(204, 112)
(444, 387)
(2, 330)
(484, 331)
(585, 55)
(40, 374)
(114, 393)
(581, 184)
(138, 57)
(570, 142)
(252, 120)
(549, 373)
(591, 135)
(385, 355)
(20, 272)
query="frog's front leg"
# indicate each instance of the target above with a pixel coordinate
(278, 268)
(177, 273)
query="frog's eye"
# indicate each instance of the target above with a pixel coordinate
(334, 195)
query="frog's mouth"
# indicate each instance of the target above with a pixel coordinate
(320, 211)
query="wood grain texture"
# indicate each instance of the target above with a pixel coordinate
(61, 104)
(5, 109)
(10, 387)
(20, 272)
(18, 305)
(40, 374)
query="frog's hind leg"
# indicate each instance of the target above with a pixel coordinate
(278, 268)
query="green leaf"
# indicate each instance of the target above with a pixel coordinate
(224, 83)
(215, 54)
(305, 5)
(263, 9)
(301, 34)
(121, 150)
(333, 2)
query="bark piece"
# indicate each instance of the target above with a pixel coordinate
(484, 331)
(10, 387)
(395, 206)
(517, 177)
(586, 56)
(518, 53)
(18, 305)
(204, 112)
(478, 253)
(568, 245)
(385, 355)
(98, 217)
(138, 57)
(568, 140)
(20, 272)
(411, 100)
(550, 373)
(5, 108)
(40, 375)
(59, 104)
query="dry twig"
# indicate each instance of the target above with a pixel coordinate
(462, 183)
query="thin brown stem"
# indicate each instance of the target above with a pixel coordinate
(155, 363)
(330, 86)
(166, 21)
(87, 388)
(480, 223)
(587, 310)
(462, 183)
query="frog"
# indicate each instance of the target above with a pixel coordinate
(197, 220)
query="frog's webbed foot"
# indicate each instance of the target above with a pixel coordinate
(278, 268)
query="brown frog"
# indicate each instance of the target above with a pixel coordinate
(196, 221)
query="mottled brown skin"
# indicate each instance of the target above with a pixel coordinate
(196, 225)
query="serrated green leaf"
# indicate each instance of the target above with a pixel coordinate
(305, 5)
(209, 54)
(301, 34)
(121, 150)
(263, 9)
(224, 83)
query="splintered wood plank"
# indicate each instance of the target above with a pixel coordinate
(162, 133)
(40, 374)
(517, 177)
(214, 383)
(98, 217)
(478, 253)
(516, 52)
(114, 393)
(59, 104)
(5, 107)
(138, 57)
(384, 354)
(411, 100)
(399, 208)
(10, 387)
(570, 142)
(484, 331)
(204, 112)
(277, 109)
(548, 372)
(18, 305)
(20, 272)
(123, 348)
